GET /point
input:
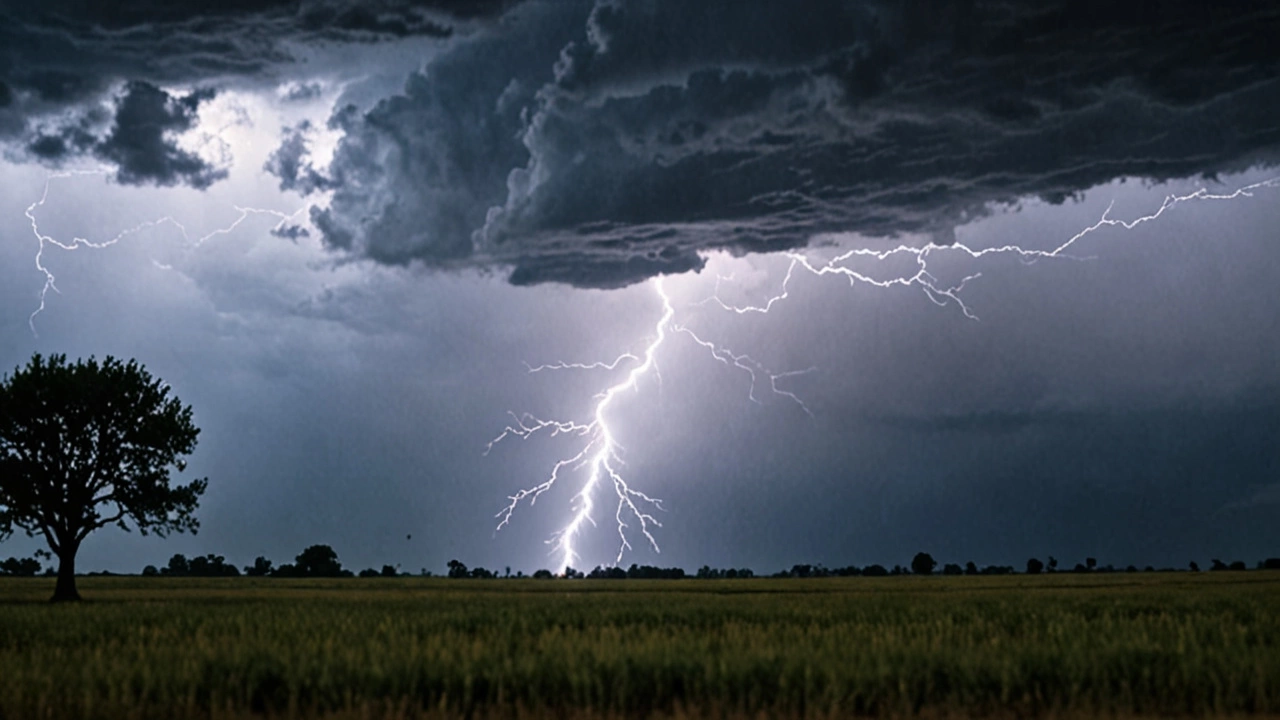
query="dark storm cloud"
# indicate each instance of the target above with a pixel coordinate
(597, 146)
(140, 138)
(291, 162)
(140, 142)
(59, 59)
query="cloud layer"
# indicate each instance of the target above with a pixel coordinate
(76, 76)
(599, 145)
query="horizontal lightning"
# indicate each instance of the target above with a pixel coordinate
(941, 295)
(44, 240)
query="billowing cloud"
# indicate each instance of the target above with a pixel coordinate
(61, 60)
(597, 146)
(140, 142)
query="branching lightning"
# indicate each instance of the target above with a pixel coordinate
(944, 295)
(44, 240)
(599, 453)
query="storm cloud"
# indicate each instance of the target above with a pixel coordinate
(62, 61)
(600, 145)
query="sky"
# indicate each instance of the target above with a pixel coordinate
(821, 282)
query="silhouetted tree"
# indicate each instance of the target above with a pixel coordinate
(1194, 567)
(1034, 566)
(952, 569)
(261, 567)
(20, 567)
(1091, 563)
(923, 564)
(1237, 565)
(1271, 564)
(456, 569)
(875, 571)
(150, 571)
(368, 573)
(1053, 564)
(211, 566)
(543, 575)
(91, 444)
(389, 571)
(178, 566)
(318, 561)
(1217, 565)
(970, 568)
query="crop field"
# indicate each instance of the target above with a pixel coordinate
(1149, 644)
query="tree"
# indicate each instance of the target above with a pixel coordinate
(1034, 566)
(87, 444)
(318, 561)
(20, 567)
(923, 564)
(457, 570)
(261, 567)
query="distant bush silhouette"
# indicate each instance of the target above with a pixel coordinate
(923, 564)
(261, 567)
(20, 567)
(952, 569)
(1034, 566)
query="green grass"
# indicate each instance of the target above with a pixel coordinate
(1129, 644)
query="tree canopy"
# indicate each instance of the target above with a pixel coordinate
(88, 444)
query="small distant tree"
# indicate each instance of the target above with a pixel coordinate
(1217, 565)
(261, 567)
(952, 569)
(1053, 564)
(178, 566)
(875, 571)
(1034, 566)
(542, 575)
(389, 571)
(1091, 563)
(319, 561)
(1194, 566)
(457, 569)
(923, 564)
(971, 568)
(20, 567)
(368, 573)
(86, 444)
(1237, 565)
(150, 571)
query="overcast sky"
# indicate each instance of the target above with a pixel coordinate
(345, 233)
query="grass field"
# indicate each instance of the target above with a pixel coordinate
(1061, 645)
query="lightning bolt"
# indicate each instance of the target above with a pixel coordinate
(44, 240)
(600, 450)
(943, 296)
(599, 453)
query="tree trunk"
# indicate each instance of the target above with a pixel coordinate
(65, 591)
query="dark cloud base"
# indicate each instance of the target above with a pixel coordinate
(600, 145)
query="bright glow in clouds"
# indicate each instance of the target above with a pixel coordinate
(75, 243)
(599, 454)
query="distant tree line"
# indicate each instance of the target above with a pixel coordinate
(316, 561)
(321, 561)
